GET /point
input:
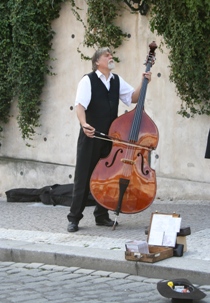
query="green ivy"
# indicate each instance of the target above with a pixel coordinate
(5, 51)
(185, 28)
(27, 43)
(100, 29)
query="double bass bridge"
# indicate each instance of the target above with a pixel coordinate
(127, 161)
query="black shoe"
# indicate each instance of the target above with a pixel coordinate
(72, 227)
(106, 222)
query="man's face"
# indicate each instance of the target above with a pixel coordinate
(105, 61)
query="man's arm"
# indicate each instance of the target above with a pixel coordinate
(136, 93)
(87, 128)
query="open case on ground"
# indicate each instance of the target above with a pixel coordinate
(160, 242)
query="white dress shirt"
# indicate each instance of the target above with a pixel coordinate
(83, 95)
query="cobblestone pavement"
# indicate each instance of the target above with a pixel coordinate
(41, 283)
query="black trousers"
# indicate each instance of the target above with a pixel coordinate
(89, 152)
(207, 154)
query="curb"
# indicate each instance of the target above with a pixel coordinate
(103, 259)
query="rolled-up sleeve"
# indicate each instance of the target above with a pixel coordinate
(83, 94)
(126, 91)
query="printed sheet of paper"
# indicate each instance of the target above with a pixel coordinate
(169, 239)
(156, 238)
(163, 230)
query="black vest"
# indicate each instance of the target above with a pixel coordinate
(103, 107)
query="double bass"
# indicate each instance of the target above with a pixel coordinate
(124, 182)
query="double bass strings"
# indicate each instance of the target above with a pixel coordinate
(134, 132)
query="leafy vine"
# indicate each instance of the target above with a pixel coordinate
(5, 51)
(26, 42)
(101, 29)
(185, 28)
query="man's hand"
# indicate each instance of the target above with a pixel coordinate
(135, 95)
(88, 130)
(148, 75)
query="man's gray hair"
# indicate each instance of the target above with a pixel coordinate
(97, 55)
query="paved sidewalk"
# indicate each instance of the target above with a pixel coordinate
(41, 283)
(33, 232)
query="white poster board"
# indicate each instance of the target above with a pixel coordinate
(164, 229)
